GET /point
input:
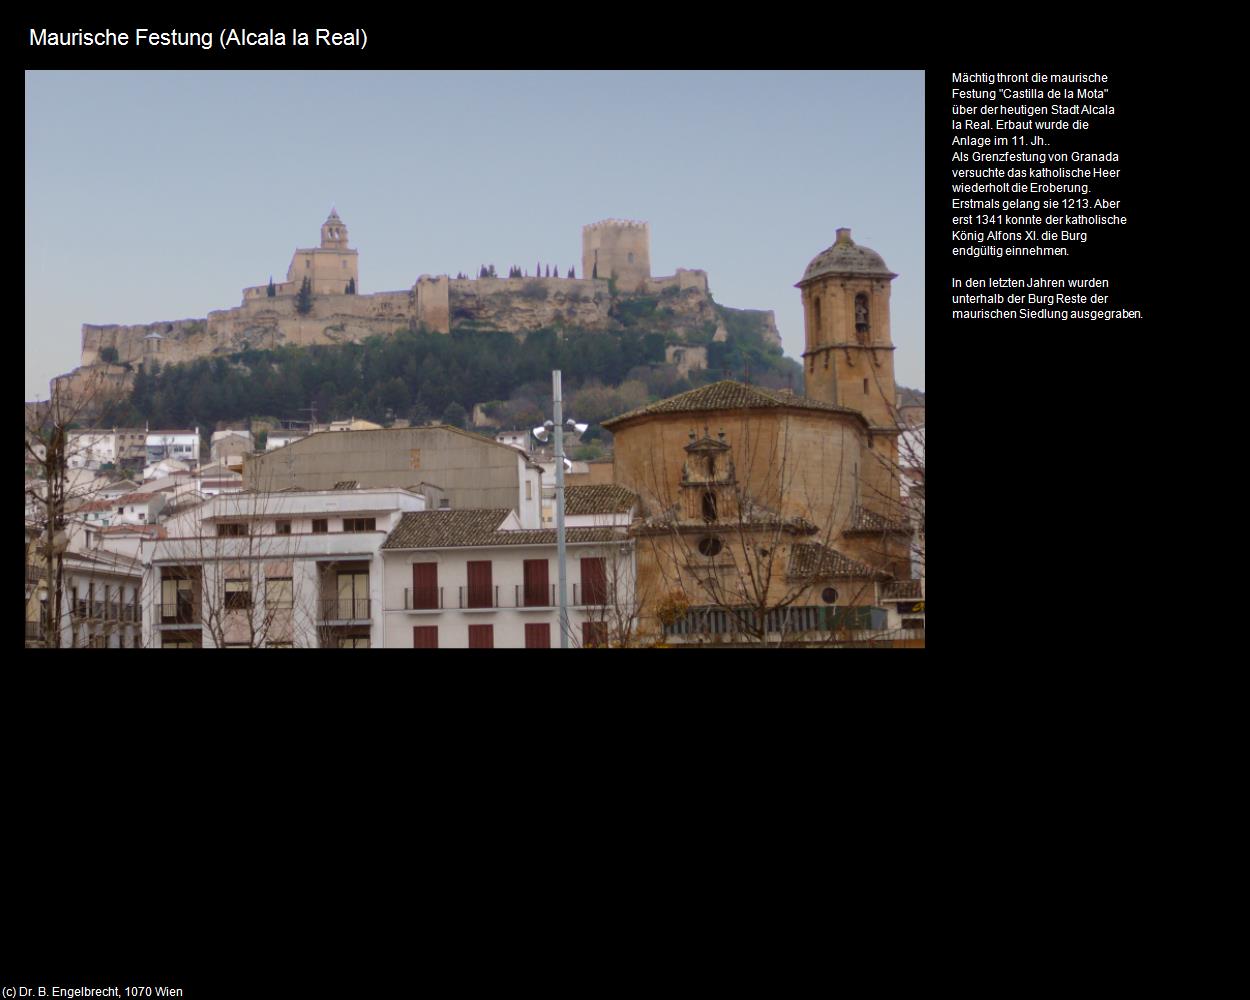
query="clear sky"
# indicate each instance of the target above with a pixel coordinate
(159, 195)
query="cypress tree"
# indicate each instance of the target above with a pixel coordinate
(271, 291)
(303, 302)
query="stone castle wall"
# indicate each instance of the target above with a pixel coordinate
(517, 305)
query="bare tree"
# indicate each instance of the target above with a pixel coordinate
(740, 544)
(52, 492)
(234, 574)
(615, 618)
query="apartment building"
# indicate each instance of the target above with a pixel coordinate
(476, 579)
(289, 568)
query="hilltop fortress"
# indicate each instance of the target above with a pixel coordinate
(616, 268)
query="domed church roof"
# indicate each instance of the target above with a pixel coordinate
(844, 257)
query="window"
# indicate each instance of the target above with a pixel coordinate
(279, 592)
(710, 546)
(425, 585)
(320, 526)
(829, 595)
(816, 305)
(481, 636)
(359, 524)
(865, 387)
(353, 642)
(238, 595)
(594, 582)
(536, 590)
(481, 593)
(425, 637)
(233, 530)
(529, 489)
(709, 506)
(177, 601)
(281, 527)
(353, 596)
(594, 634)
(444, 504)
(537, 636)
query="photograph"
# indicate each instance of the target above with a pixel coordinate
(474, 359)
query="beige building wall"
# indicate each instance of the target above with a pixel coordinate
(471, 471)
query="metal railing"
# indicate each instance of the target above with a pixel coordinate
(349, 609)
(793, 620)
(478, 597)
(593, 597)
(180, 613)
(522, 597)
(410, 600)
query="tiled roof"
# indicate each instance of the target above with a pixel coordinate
(871, 521)
(811, 559)
(728, 395)
(604, 498)
(438, 529)
(105, 504)
(903, 590)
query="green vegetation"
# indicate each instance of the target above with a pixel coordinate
(424, 376)
(109, 355)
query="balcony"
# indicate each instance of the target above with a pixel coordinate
(588, 597)
(344, 611)
(182, 613)
(794, 621)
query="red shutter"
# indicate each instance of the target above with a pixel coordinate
(536, 591)
(538, 636)
(425, 637)
(482, 636)
(594, 634)
(425, 585)
(594, 582)
(481, 594)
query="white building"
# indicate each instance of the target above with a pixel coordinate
(289, 568)
(90, 449)
(181, 445)
(476, 579)
(100, 601)
(133, 508)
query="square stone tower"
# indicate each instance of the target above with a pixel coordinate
(330, 267)
(615, 248)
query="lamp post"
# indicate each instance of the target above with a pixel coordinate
(557, 424)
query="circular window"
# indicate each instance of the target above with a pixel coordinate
(829, 595)
(710, 546)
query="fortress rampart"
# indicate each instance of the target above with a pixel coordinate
(617, 251)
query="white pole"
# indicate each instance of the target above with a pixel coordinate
(559, 429)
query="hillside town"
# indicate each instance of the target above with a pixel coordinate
(728, 514)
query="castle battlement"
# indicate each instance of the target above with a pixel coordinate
(616, 224)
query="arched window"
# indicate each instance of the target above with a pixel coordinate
(816, 314)
(861, 316)
(709, 506)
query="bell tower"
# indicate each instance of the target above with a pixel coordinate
(333, 233)
(848, 358)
